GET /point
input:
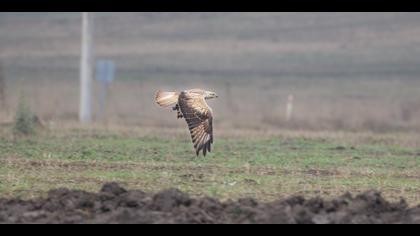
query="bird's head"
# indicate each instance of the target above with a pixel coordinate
(210, 95)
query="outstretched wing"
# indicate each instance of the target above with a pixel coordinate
(199, 119)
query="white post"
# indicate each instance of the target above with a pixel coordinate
(86, 68)
(289, 108)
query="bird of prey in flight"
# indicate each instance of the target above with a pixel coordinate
(191, 105)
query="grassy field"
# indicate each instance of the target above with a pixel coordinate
(354, 77)
(267, 166)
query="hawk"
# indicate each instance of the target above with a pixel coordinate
(192, 106)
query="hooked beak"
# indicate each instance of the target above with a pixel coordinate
(211, 95)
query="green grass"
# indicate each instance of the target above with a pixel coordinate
(265, 168)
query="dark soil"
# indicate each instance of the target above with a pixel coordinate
(114, 204)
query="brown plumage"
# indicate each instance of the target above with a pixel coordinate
(192, 105)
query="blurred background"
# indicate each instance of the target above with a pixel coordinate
(300, 71)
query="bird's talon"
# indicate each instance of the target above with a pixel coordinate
(175, 108)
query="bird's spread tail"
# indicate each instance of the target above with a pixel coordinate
(165, 99)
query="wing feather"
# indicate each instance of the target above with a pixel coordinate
(199, 118)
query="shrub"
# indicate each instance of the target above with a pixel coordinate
(24, 119)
